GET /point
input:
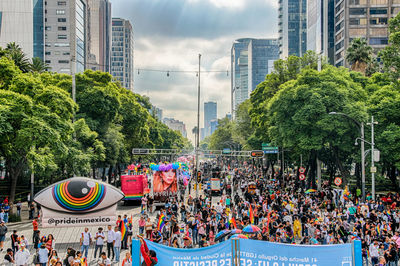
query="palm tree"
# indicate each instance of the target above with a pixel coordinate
(15, 53)
(39, 66)
(359, 55)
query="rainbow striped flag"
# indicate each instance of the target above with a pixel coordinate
(251, 215)
(123, 230)
(378, 230)
(161, 222)
(232, 221)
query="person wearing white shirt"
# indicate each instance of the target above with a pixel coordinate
(99, 237)
(86, 240)
(22, 256)
(117, 243)
(374, 252)
(110, 242)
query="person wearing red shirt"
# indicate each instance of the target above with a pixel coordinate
(149, 256)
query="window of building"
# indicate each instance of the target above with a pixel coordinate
(358, 2)
(339, 36)
(339, 17)
(60, 12)
(47, 62)
(65, 53)
(378, 32)
(62, 20)
(62, 28)
(357, 11)
(61, 45)
(339, 26)
(47, 44)
(357, 32)
(48, 53)
(63, 61)
(57, 53)
(47, 28)
(357, 21)
(395, 10)
(379, 2)
(339, 45)
(378, 21)
(61, 3)
(378, 11)
(378, 41)
(62, 37)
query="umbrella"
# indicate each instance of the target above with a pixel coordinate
(311, 191)
(251, 229)
(236, 231)
(222, 234)
(239, 236)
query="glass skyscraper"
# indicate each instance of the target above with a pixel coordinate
(38, 29)
(251, 61)
(210, 114)
(292, 27)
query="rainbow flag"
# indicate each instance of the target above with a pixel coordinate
(123, 230)
(251, 215)
(232, 221)
(84, 262)
(378, 230)
(161, 222)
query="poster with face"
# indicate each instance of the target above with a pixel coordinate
(164, 185)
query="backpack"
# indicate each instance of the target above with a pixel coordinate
(36, 259)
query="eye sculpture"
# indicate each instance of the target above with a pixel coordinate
(78, 195)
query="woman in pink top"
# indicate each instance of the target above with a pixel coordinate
(142, 224)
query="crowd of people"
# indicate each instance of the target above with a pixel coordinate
(284, 212)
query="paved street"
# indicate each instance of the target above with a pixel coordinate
(68, 237)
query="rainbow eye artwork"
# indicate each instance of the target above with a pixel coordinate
(79, 195)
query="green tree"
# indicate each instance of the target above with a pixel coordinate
(359, 55)
(390, 55)
(15, 53)
(222, 137)
(38, 65)
(299, 120)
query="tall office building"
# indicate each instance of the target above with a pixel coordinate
(362, 19)
(38, 29)
(99, 19)
(122, 52)
(176, 125)
(251, 61)
(262, 54)
(66, 29)
(16, 24)
(210, 113)
(292, 27)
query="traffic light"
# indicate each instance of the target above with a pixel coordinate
(198, 176)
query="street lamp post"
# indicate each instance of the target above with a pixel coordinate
(198, 131)
(372, 156)
(361, 127)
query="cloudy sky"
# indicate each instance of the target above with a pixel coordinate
(169, 35)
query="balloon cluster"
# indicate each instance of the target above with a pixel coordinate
(168, 167)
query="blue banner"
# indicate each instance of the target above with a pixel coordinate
(262, 253)
(246, 252)
(216, 255)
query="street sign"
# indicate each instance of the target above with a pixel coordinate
(302, 177)
(257, 154)
(267, 148)
(377, 155)
(373, 169)
(226, 151)
(302, 170)
(337, 181)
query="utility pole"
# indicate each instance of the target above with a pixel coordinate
(73, 68)
(372, 156)
(362, 162)
(198, 131)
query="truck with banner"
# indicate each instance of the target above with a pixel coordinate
(134, 187)
(165, 185)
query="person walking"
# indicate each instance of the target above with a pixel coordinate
(43, 255)
(99, 237)
(22, 256)
(86, 240)
(117, 243)
(14, 241)
(3, 232)
(110, 242)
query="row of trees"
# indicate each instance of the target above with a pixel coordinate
(290, 109)
(43, 130)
